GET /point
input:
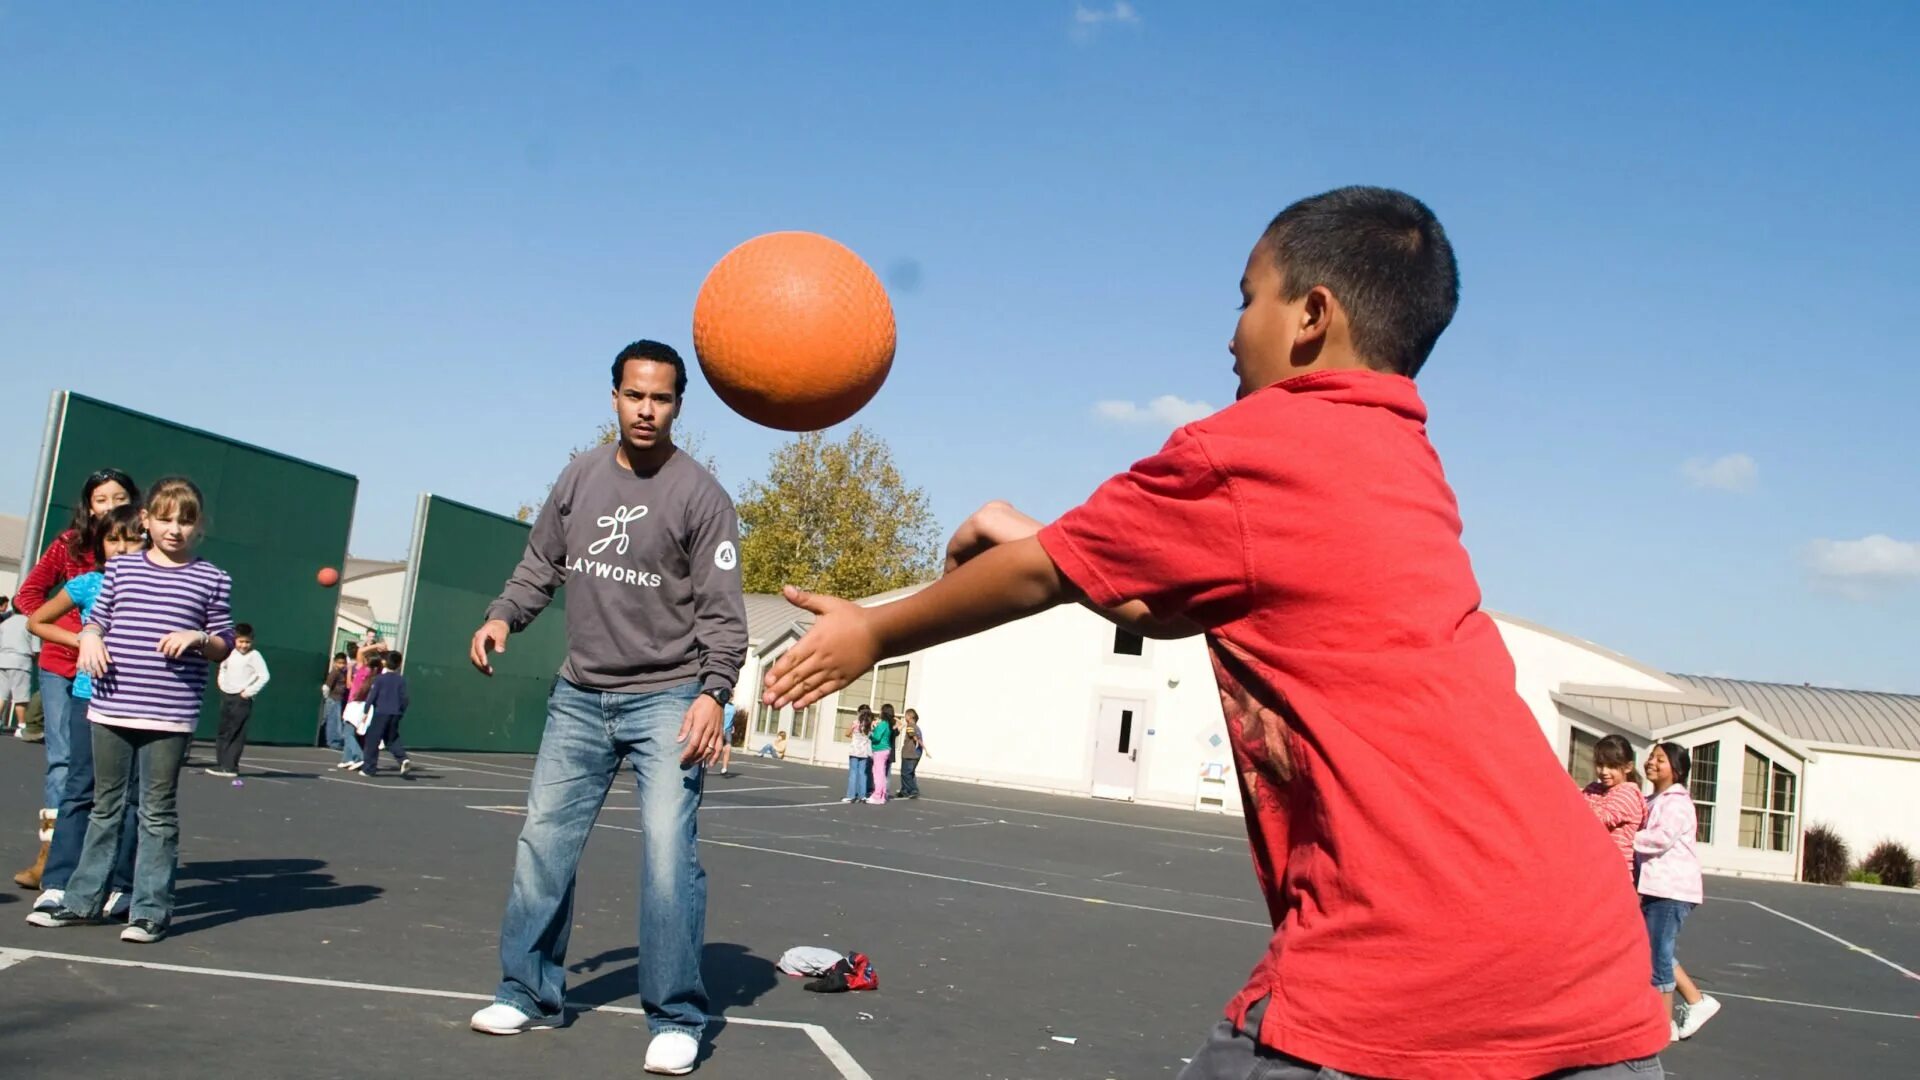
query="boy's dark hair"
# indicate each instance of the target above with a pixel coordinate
(1616, 752)
(5, 600)
(339, 656)
(1680, 758)
(353, 650)
(658, 352)
(242, 629)
(393, 660)
(1385, 256)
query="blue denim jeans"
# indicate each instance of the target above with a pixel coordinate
(859, 777)
(333, 724)
(114, 752)
(56, 701)
(76, 809)
(589, 734)
(1663, 926)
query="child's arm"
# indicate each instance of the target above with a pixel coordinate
(44, 623)
(1618, 807)
(999, 523)
(1008, 582)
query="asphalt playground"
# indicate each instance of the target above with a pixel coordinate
(330, 926)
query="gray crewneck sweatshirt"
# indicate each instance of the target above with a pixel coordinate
(652, 570)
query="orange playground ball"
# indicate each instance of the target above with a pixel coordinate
(793, 331)
(328, 576)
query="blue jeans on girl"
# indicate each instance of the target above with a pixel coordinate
(859, 777)
(589, 735)
(76, 809)
(114, 752)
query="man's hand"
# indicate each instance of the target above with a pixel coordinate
(993, 524)
(491, 637)
(176, 644)
(93, 656)
(700, 731)
(839, 647)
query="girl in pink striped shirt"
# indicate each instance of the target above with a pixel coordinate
(1615, 795)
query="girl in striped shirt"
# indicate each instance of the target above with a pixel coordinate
(162, 616)
(1615, 794)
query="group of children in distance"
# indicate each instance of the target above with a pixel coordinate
(875, 738)
(366, 698)
(1657, 840)
(153, 616)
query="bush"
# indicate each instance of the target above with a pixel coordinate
(1892, 862)
(1824, 857)
(1864, 877)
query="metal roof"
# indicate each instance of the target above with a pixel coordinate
(768, 614)
(1641, 716)
(1823, 714)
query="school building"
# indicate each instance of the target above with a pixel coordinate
(1066, 702)
(13, 538)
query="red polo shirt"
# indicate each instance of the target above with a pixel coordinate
(1442, 903)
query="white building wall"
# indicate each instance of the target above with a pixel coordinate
(1724, 855)
(1865, 797)
(381, 591)
(1017, 706)
(1544, 662)
(9, 581)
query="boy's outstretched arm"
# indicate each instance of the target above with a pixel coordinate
(1007, 582)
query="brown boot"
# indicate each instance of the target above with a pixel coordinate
(30, 877)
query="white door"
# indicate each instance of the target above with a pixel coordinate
(1116, 747)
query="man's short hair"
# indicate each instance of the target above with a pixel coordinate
(1386, 258)
(659, 353)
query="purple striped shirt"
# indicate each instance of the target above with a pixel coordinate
(141, 602)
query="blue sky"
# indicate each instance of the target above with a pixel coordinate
(1675, 404)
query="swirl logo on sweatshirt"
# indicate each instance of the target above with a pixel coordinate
(616, 525)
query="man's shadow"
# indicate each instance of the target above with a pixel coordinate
(734, 977)
(223, 892)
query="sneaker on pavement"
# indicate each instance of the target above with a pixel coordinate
(143, 932)
(221, 772)
(503, 1019)
(59, 917)
(1697, 1016)
(49, 900)
(406, 766)
(119, 906)
(672, 1053)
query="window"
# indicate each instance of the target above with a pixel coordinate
(1128, 643)
(1704, 786)
(1580, 756)
(884, 685)
(803, 722)
(1767, 795)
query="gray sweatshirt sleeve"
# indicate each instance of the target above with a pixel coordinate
(719, 609)
(542, 569)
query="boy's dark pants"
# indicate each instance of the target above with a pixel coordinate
(235, 711)
(384, 727)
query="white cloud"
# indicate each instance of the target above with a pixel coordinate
(1860, 567)
(1120, 12)
(1163, 411)
(1730, 472)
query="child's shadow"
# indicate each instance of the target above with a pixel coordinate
(733, 976)
(223, 892)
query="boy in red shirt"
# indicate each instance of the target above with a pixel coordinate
(1414, 879)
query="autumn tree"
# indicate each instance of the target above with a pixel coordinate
(686, 439)
(835, 517)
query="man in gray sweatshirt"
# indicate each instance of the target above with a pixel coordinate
(646, 542)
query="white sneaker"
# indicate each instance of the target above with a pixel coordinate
(1697, 1016)
(49, 900)
(672, 1053)
(499, 1019)
(119, 906)
(1673, 1032)
(222, 773)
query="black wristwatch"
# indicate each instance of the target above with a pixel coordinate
(720, 694)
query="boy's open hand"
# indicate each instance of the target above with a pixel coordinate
(839, 647)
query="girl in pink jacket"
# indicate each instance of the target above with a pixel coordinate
(1667, 869)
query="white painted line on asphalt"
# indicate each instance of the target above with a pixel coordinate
(922, 874)
(848, 1068)
(1091, 820)
(405, 785)
(1868, 953)
(1812, 1005)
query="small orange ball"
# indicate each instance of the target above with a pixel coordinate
(328, 577)
(793, 331)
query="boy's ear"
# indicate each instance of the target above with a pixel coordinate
(1316, 314)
